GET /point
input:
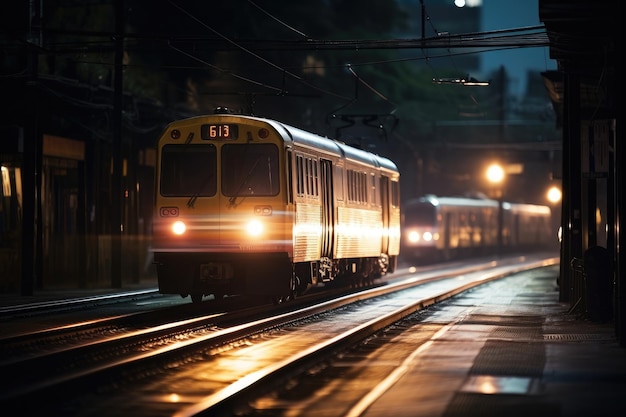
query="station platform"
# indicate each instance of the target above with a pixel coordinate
(520, 352)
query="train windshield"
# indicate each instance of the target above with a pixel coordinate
(250, 169)
(188, 170)
(420, 214)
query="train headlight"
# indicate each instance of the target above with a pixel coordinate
(179, 227)
(427, 236)
(414, 236)
(254, 228)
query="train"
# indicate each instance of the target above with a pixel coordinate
(246, 205)
(442, 228)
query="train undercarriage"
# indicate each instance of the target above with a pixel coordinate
(261, 275)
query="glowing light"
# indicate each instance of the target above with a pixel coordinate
(554, 195)
(6, 182)
(254, 228)
(173, 398)
(179, 228)
(468, 3)
(495, 173)
(427, 236)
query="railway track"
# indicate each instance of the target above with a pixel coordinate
(209, 365)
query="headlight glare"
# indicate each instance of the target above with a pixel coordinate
(179, 227)
(414, 236)
(254, 228)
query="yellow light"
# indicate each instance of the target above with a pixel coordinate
(495, 173)
(554, 195)
(414, 236)
(254, 228)
(179, 228)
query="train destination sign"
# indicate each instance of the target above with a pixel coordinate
(220, 131)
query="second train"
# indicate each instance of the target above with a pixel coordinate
(445, 228)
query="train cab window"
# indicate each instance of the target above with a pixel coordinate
(250, 169)
(188, 170)
(422, 214)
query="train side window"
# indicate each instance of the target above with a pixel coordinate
(364, 188)
(338, 186)
(315, 174)
(357, 187)
(308, 176)
(300, 175)
(289, 176)
(374, 188)
(351, 186)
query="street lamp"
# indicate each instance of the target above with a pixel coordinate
(495, 175)
(554, 194)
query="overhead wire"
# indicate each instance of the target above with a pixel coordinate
(362, 81)
(492, 40)
(348, 66)
(279, 21)
(232, 74)
(246, 50)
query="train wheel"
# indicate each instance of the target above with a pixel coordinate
(302, 274)
(279, 299)
(196, 297)
(294, 284)
(302, 287)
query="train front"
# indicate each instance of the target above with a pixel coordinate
(222, 223)
(421, 237)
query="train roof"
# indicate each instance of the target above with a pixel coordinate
(530, 208)
(436, 201)
(314, 141)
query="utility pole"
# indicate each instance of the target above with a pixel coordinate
(117, 225)
(32, 148)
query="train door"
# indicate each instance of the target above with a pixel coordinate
(386, 212)
(328, 217)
